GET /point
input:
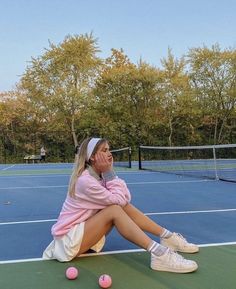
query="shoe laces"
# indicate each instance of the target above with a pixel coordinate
(182, 238)
(177, 260)
(175, 256)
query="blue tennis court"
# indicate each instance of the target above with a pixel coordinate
(31, 196)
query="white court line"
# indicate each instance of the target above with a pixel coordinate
(191, 212)
(110, 252)
(132, 183)
(7, 168)
(55, 174)
(28, 222)
(34, 176)
(170, 182)
(147, 214)
(35, 187)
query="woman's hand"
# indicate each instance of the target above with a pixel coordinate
(103, 162)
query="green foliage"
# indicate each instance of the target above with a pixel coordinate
(69, 93)
(58, 83)
(213, 80)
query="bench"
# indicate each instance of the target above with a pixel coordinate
(32, 158)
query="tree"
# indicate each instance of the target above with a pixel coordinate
(58, 83)
(14, 120)
(214, 79)
(126, 98)
(177, 101)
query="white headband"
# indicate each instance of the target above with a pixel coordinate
(91, 145)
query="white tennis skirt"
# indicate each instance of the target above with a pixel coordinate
(66, 248)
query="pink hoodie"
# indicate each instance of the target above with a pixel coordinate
(91, 196)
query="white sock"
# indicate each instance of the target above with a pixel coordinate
(156, 249)
(166, 234)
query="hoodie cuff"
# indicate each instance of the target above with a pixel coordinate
(109, 176)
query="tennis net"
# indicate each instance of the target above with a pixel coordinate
(212, 161)
(122, 157)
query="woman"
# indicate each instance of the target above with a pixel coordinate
(96, 201)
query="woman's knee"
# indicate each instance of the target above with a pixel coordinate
(114, 210)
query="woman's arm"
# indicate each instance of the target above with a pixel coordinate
(92, 192)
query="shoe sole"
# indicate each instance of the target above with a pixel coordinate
(190, 252)
(184, 251)
(181, 251)
(180, 270)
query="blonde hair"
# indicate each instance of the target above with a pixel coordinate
(81, 163)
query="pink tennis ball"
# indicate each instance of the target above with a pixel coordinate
(72, 273)
(105, 281)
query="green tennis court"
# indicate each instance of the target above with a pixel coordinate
(128, 270)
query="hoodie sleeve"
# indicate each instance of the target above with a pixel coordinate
(94, 195)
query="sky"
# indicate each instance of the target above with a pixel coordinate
(142, 28)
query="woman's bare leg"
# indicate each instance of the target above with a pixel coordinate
(162, 259)
(101, 223)
(144, 222)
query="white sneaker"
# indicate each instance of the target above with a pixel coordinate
(172, 262)
(178, 243)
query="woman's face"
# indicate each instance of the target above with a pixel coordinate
(102, 160)
(104, 149)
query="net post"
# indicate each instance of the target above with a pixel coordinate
(215, 164)
(139, 158)
(130, 153)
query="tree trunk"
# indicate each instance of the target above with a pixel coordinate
(215, 131)
(171, 132)
(73, 132)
